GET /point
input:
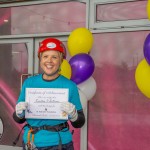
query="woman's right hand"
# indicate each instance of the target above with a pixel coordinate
(20, 108)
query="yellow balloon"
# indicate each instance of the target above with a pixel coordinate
(142, 77)
(80, 41)
(65, 69)
(148, 9)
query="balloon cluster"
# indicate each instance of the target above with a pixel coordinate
(79, 43)
(148, 9)
(142, 73)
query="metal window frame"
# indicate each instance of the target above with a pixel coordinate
(29, 43)
(114, 26)
(36, 2)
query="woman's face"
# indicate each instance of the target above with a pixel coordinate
(50, 62)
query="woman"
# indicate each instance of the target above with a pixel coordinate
(47, 134)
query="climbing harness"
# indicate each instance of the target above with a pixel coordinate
(30, 144)
(33, 130)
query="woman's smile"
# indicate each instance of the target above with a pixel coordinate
(50, 62)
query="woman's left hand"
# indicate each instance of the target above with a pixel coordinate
(69, 109)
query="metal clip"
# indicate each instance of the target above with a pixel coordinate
(31, 146)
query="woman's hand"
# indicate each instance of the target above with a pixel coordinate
(70, 109)
(20, 108)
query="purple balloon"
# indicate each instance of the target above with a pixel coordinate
(147, 49)
(82, 66)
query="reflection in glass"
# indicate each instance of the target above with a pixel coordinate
(44, 18)
(121, 11)
(13, 62)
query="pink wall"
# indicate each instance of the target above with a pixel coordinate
(119, 112)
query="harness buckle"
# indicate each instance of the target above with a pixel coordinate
(31, 146)
(44, 127)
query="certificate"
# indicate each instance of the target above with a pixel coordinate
(44, 103)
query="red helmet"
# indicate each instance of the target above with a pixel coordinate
(52, 44)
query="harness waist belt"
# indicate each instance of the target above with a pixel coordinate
(55, 128)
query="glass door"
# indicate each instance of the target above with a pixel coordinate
(16, 62)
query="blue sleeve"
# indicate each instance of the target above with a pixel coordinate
(74, 97)
(22, 93)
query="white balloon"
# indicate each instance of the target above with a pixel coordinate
(88, 87)
(83, 99)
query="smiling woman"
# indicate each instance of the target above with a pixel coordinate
(60, 107)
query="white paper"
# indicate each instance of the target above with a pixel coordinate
(44, 103)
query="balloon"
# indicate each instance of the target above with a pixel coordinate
(148, 9)
(142, 77)
(147, 49)
(82, 66)
(80, 41)
(65, 69)
(88, 87)
(83, 99)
